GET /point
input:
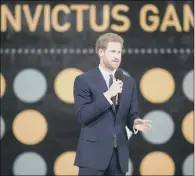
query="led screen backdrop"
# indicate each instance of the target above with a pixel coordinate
(46, 45)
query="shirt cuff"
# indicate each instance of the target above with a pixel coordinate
(110, 101)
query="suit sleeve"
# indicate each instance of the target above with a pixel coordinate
(133, 111)
(87, 109)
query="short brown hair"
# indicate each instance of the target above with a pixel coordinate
(102, 41)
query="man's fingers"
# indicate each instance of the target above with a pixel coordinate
(146, 128)
(148, 125)
(119, 82)
(147, 121)
(138, 120)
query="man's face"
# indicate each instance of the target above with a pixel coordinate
(111, 57)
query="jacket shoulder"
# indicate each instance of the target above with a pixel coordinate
(86, 75)
(128, 78)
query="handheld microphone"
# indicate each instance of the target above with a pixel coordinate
(118, 76)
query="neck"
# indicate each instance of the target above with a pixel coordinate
(107, 69)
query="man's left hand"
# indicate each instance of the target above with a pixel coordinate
(142, 125)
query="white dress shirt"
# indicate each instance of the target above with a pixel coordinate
(106, 76)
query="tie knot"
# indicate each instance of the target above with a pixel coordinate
(110, 80)
(111, 76)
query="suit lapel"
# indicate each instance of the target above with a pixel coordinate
(99, 80)
(121, 99)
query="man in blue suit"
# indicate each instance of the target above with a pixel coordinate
(103, 144)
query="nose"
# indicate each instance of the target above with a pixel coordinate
(117, 55)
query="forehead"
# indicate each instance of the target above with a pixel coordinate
(114, 46)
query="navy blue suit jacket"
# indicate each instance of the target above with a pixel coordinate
(100, 123)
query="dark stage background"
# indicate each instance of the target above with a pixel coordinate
(45, 45)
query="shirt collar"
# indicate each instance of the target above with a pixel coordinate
(105, 73)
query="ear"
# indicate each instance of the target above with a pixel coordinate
(101, 52)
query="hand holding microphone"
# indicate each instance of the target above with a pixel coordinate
(115, 88)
